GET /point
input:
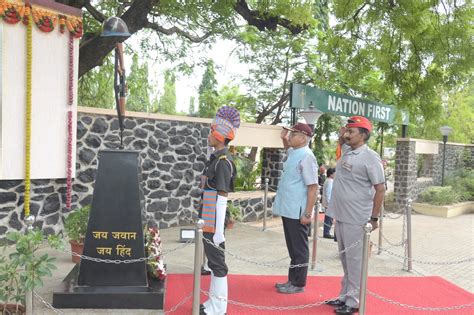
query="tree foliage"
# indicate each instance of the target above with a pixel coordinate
(167, 103)
(208, 91)
(139, 88)
(96, 88)
(193, 20)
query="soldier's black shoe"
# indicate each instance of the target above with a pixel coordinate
(346, 310)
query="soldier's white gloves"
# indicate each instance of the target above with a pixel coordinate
(221, 206)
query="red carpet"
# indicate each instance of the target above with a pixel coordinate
(259, 290)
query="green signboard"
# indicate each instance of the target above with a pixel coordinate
(303, 96)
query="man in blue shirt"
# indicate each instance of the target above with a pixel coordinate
(294, 202)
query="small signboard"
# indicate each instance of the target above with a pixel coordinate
(303, 96)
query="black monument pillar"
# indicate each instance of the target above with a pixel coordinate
(114, 232)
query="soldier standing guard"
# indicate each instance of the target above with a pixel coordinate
(218, 182)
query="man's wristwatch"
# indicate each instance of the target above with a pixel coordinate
(374, 219)
(307, 215)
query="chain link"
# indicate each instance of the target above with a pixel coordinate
(270, 265)
(183, 301)
(47, 304)
(125, 261)
(438, 263)
(276, 308)
(420, 308)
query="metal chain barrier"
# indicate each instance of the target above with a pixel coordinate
(276, 308)
(181, 303)
(420, 308)
(125, 261)
(227, 252)
(446, 263)
(47, 304)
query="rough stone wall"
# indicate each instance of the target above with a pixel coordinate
(407, 185)
(172, 161)
(405, 171)
(272, 166)
(251, 208)
(453, 161)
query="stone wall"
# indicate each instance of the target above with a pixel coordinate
(172, 160)
(272, 166)
(408, 185)
(251, 204)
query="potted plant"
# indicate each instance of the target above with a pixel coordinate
(233, 215)
(22, 268)
(75, 226)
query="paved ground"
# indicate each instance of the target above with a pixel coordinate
(435, 240)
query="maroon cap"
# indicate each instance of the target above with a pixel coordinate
(359, 122)
(300, 127)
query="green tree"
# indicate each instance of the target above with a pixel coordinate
(404, 53)
(208, 102)
(167, 103)
(194, 21)
(192, 108)
(139, 88)
(96, 88)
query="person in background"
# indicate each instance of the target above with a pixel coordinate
(326, 198)
(218, 182)
(356, 199)
(321, 178)
(294, 202)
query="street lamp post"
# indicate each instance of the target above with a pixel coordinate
(445, 131)
(311, 116)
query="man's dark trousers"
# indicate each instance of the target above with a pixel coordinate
(327, 225)
(296, 236)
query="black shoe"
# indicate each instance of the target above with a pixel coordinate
(290, 289)
(281, 285)
(328, 236)
(337, 303)
(205, 272)
(346, 310)
(201, 307)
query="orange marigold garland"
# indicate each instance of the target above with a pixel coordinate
(12, 13)
(46, 21)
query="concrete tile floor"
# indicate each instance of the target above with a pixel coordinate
(434, 240)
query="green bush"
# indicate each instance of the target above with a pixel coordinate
(437, 195)
(75, 224)
(462, 182)
(23, 267)
(247, 173)
(234, 212)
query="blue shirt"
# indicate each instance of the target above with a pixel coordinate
(299, 171)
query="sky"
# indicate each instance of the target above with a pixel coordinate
(228, 70)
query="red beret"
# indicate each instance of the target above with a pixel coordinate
(300, 127)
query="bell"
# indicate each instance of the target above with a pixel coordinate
(115, 27)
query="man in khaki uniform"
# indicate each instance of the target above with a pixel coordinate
(357, 196)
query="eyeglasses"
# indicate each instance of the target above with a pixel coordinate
(293, 133)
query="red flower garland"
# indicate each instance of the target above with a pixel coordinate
(69, 121)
